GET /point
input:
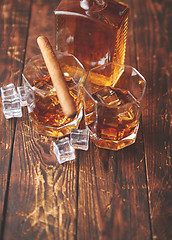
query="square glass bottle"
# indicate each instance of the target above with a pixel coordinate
(95, 31)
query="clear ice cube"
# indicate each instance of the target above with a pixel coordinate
(30, 98)
(44, 86)
(63, 150)
(10, 101)
(107, 96)
(8, 91)
(130, 113)
(79, 138)
(22, 95)
(12, 107)
(7, 87)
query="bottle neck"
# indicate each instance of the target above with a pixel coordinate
(92, 5)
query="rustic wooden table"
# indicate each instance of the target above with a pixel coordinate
(102, 194)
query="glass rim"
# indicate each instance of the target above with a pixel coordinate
(118, 64)
(39, 56)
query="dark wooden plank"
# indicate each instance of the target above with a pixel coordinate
(113, 195)
(42, 22)
(113, 191)
(42, 198)
(113, 201)
(13, 29)
(153, 40)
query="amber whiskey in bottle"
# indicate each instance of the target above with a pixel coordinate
(95, 31)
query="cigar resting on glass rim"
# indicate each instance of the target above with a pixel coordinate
(57, 77)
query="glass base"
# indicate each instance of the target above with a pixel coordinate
(57, 131)
(114, 145)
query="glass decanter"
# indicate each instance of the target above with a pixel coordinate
(95, 31)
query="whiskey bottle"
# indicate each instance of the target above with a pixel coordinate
(95, 31)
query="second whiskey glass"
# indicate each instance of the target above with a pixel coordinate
(113, 96)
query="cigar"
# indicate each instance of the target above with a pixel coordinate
(57, 77)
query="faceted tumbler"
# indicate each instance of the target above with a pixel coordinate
(44, 108)
(113, 96)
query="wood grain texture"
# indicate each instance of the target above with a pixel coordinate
(102, 194)
(113, 194)
(42, 199)
(42, 22)
(153, 47)
(112, 200)
(13, 31)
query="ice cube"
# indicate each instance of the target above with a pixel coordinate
(107, 96)
(8, 91)
(79, 138)
(22, 95)
(12, 107)
(44, 86)
(30, 98)
(129, 113)
(63, 150)
(7, 87)
(10, 101)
